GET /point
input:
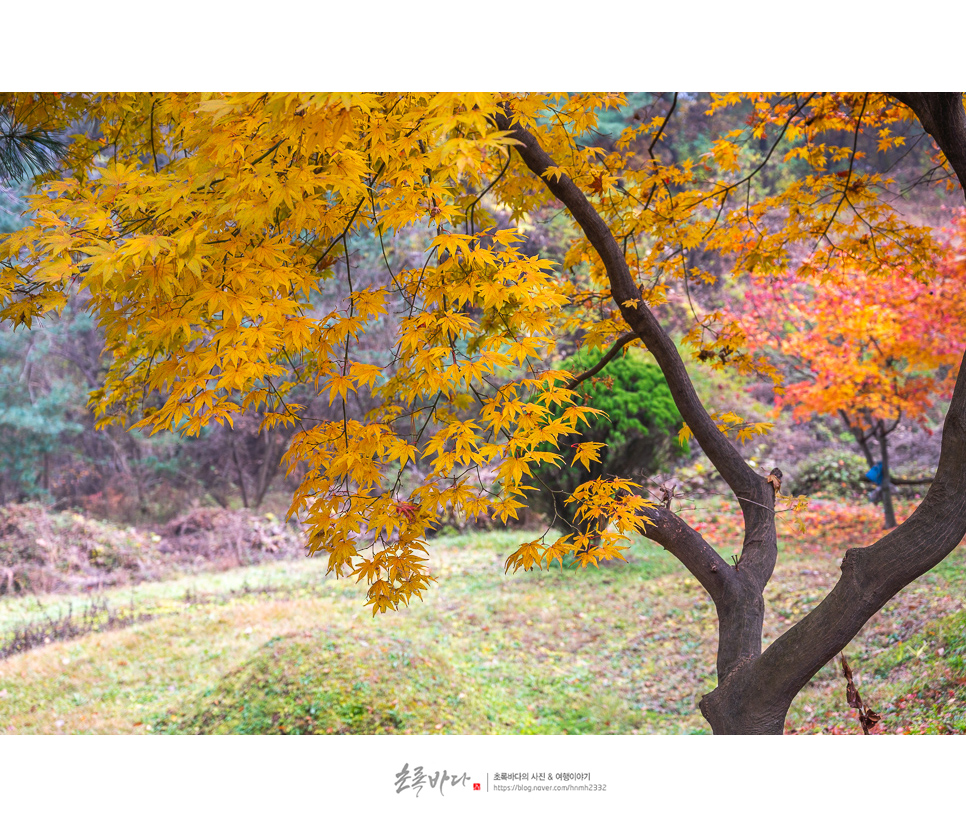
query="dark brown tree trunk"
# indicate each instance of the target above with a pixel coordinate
(733, 709)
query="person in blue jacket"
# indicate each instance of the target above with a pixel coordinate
(875, 475)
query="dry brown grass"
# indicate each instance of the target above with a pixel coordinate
(44, 552)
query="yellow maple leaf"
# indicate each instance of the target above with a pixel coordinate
(586, 452)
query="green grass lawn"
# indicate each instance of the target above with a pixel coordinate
(627, 648)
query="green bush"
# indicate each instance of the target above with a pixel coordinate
(640, 429)
(835, 472)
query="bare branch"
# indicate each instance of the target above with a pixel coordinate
(616, 348)
(687, 545)
(757, 497)
(636, 313)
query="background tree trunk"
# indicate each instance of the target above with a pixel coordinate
(886, 485)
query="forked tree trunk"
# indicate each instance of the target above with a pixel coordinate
(756, 688)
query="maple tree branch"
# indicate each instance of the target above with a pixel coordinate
(727, 189)
(894, 426)
(943, 117)
(471, 208)
(755, 495)
(650, 150)
(735, 592)
(689, 547)
(660, 131)
(848, 177)
(154, 152)
(627, 296)
(927, 178)
(271, 150)
(341, 236)
(624, 340)
(348, 226)
(732, 587)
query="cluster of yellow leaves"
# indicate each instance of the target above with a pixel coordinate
(613, 506)
(731, 424)
(204, 229)
(714, 204)
(796, 505)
